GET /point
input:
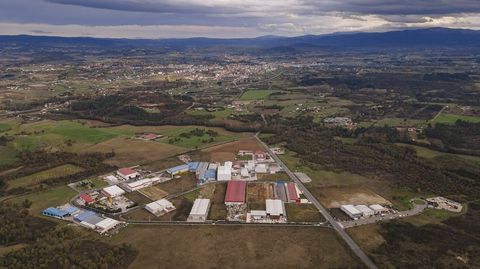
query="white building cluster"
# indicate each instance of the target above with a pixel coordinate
(362, 211)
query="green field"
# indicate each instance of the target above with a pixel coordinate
(77, 131)
(7, 156)
(256, 94)
(43, 199)
(37, 178)
(452, 118)
(4, 127)
(429, 154)
(57, 133)
(97, 183)
(194, 141)
(401, 122)
(220, 114)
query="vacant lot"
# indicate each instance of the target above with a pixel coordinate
(37, 178)
(153, 192)
(227, 152)
(130, 152)
(303, 213)
(367, 236)
(259, 192)
(218, 210)
(186, 182)
(235, 247)
(333, 197)
(138, 198)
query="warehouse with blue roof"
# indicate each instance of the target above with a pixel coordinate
(178, 169)
(208, 176)
(60, 212)
(84, 215)
(193, 166)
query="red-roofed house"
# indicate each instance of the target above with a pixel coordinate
(149, 136)
(87, 199)
(292, 193)
(127, 173)
(235, 192)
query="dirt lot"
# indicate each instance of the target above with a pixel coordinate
(227, 152)
(333, 197)
(259, 192)
(138, 198)
(186, 182)
(235, 247)
(153, 192)
(218, 210)
(367, 236)
(303, 213)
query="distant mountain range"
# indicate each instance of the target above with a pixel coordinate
(405, 39)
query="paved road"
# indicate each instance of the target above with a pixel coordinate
(353, 246)
(417, 209)
(226, 223)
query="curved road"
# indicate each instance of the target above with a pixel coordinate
(335, 225)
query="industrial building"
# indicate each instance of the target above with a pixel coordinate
(113, 191)
(378, 209)
(280, 191)
(106, 225)
(275, 209)
(235, 192)
(60, 212)
(160, 207)
(85, 199)
(224, 172)
(292, 192)
(366, 211)
(261, 168)
(142, 183)
(127, 173)
(199, 212)
(178, 169)
(351, 211)
(209, 176)
(256, 216)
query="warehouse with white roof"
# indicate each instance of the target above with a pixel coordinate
(106, 225)
(351, 211)
(200, 209)
(113, 191)
(275, 209)
(160, 207)
(224, 173)
(366, 211)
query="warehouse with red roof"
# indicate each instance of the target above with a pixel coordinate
(292, 193)
(235, 192)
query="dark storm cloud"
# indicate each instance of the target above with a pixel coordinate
(398, 7)
(158, 6)
(378, 7)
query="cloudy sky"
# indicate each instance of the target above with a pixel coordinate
(229, 18)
